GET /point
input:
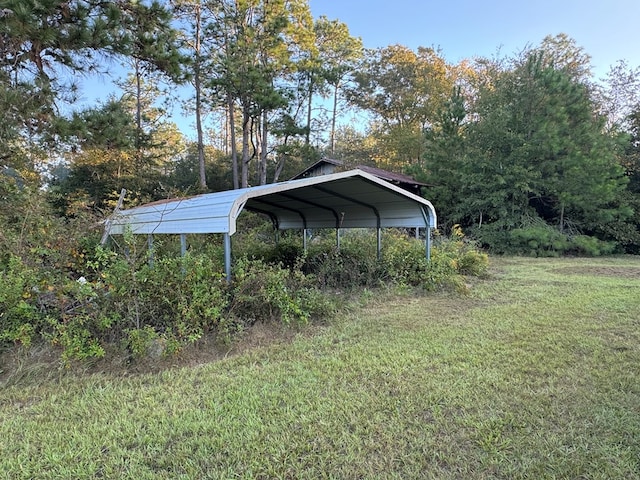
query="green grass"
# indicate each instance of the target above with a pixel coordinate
(533, 374)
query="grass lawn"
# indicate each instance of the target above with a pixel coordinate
(534, 374)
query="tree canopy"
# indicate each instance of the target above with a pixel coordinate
(523, 143)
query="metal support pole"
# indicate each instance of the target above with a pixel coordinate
(379, 242)
(338, 239)
(150, 247)
(304, 240)
(183, 244)
(427, 241)
(227, 256)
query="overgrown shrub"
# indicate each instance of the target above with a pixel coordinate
(270, 292)
(536, 238)
(55, 285)
(354, 264)
(451, 258)
(178, 297)
(20, 318)
(589, 246)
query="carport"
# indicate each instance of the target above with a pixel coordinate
(353, 199)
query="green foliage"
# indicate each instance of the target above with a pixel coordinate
(266, 292)
(403, 90)
(590, 246)
(182, 297)
(55, 285)
(75, 337)
(141, 340)
(528, 145)
(19, 315)
(451, 259)
(405, 260)
(353, 265)
(541, 240)
(537, 239)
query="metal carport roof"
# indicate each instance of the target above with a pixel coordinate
(352, 199)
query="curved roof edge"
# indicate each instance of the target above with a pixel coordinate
(360, 196)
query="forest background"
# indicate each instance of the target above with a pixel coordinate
(528, 153)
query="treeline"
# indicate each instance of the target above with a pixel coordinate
(530, 153)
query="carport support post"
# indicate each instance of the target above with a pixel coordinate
(183, 244)
(379, 241)
(227, 256)
(427, 242)
(183, 250)
(304, 240)
(150, 246)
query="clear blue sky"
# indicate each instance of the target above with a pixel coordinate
(608, 30)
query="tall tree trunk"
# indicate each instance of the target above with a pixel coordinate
(279, 168)
(307, 138)
(197, 85)
(138, 144)
(263, 149)
(246, 158)
(332, 137)
(232, 140)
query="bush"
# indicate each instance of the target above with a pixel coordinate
(536, 238)
(589, 246)
(20, 318)
(181, 297)
(57, 286)
(451, 258)
(354, 265)
(270, 292)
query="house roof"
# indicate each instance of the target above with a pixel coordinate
(378, 172)
(390, 176)
(351, 199)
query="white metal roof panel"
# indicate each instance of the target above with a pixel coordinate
(346, 200)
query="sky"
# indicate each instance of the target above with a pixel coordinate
(608, 30)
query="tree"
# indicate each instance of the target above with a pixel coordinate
(539, 150)
(562, 52)
(194, 17)
(444, 159)
(43, 44)
(152, 48)
(337, 54)
(257, 45)
(621, 95)
(108, 144)
(103, 161)
(184, 176)
(404, 91)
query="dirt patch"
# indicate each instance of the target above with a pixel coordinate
(604, 271)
